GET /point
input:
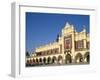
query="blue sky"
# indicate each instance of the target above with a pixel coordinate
(42, 28)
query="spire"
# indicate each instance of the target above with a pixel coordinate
(57, 39)
(84, 28)
(67, 25)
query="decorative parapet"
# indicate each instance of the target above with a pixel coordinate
(47, 45)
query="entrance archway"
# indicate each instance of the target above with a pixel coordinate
(40, 60)
(68, 59)
(87, 57)
(54, 60)
(60, 59)
(44, 60)
(49, 60)
(33, 60)
(79, 58)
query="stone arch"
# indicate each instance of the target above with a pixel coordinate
(87, 57)
(40, 60)
(78, 58)
(28, 62)
(33, 60)
(60, 59)
(37, 60)
(49, 60)
(54, 60)
(68, 59)
(44, 60)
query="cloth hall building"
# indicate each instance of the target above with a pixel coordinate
(71, 47)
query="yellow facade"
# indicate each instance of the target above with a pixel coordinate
(71, 47)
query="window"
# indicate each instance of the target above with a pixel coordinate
(67, 42)
(88, 45)
(79, 44)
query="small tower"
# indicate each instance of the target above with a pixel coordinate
(67, 25)
(57, 39)
(84, 28)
